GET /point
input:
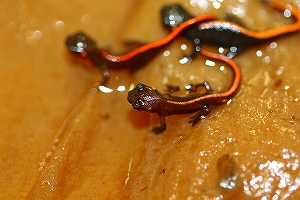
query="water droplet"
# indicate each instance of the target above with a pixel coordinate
(227, 169)
(273, 45)
(259, 53)
(59, 25)
(86, 19)
(49, 154)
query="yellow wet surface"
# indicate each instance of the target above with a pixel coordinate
(62, 139)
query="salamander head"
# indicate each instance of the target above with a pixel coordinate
(80, 43)
(174, 15)
(145, 98)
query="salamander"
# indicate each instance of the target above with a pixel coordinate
(225, 33)
(149, 99)
(81, 44)
(204, 29)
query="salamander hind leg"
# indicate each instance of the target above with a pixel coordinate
(189, 58)
(205, 110)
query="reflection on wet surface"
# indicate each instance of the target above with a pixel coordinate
(52, 146)
(227, 169)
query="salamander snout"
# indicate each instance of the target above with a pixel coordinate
(80, 43)
(174, 15)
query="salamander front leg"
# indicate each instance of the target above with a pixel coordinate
(106, 76)
(190, 88)
(162, 127)
(171, 89)
(194, 87)
(206, 109)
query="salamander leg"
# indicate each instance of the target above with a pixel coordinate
(161, 128)
(189, 58)
(190, 88)
(232, 51)
(234, 19)
(201, 114)
(106, 76)
(194, 87)
(171, 89)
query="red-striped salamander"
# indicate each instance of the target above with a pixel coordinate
(82, 45)
(148, 99)
(200, 30)
(225, 33)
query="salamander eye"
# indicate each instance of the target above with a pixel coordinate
(138, 105)
(140, 87)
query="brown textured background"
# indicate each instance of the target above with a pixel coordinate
(58, 140)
